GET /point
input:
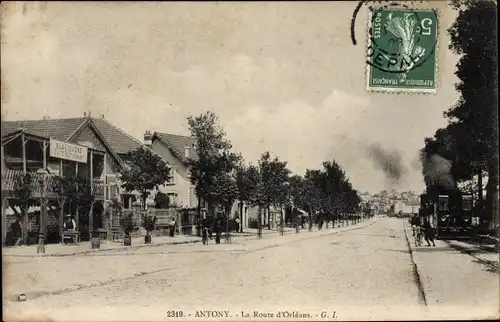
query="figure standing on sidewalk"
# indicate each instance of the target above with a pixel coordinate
(428, 233)
(237, 221)
(218, 229)
(172, 227)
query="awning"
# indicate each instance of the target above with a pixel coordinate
(10, 212)
(302, 212)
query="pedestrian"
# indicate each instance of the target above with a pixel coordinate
(415, 222)
(70, 225)
(172, 227)
(217, 229)
(16, 231)
(428, 233)
(237, 221)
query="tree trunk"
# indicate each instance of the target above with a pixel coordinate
(241, 217)
(282, 224)
(259, 222)
(61, 219)
(268, 209)
(310, 219)
(24, 228)
(198, 224)
(480, 201)
(492, 195)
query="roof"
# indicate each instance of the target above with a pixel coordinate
(118, 139)
(64, 129)
(59, 129)
(177, 144)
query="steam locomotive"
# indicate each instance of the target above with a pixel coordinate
(449, 211)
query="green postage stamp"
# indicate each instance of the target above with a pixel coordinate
(402, 50)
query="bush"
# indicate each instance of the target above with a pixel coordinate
(127, 224)
(149, 223)
(253, 223)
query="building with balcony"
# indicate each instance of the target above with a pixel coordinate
(86, 147)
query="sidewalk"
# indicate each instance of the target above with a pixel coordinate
(38, 276)
(445, 275)
(82, 248)
(488, 257)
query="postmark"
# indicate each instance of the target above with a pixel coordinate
(402, 50)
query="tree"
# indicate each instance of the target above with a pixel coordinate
(256, 196)
(24, 186)
(313, 195)
(162, 200)
(477, 108)
(146, 171)
(272, 188)
(246, 179)
(279, 186)
(66, 189)
(84, 198)
(212, 155)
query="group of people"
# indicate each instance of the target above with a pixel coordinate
(425, 227)
(216, 226)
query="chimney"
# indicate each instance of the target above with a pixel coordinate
(102, 116)
(186, 152)
(148, 138)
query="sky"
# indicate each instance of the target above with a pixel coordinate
(283, 77)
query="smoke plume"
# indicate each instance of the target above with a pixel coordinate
(390, 162)
(437, 171)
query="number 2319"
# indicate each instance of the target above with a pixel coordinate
(174, 314)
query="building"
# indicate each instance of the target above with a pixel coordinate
(85, 146)
(177, 150)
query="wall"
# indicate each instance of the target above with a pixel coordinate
(181, 184)
(88, 135)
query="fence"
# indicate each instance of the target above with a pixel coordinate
(9, 177)
(185, 219)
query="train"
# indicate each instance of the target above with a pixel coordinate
(449, 211)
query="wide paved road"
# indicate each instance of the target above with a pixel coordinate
(365, 273)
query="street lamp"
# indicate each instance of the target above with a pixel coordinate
(41, 231)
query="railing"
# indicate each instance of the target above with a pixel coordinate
(39, 179)
(98, 187)
(163, 216)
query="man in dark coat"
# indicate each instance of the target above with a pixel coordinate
(428, 232)
(218, 229)
(16, 231)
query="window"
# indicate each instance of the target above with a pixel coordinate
(173, 198)
(171, 178)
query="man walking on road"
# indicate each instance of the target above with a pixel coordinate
(428, 233)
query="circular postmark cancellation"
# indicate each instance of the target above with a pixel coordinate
(401, 51)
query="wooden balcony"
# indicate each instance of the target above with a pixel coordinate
(9, 176)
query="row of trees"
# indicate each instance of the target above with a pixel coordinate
(220, 177)
(470, 140)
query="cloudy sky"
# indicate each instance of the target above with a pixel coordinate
(283, 77)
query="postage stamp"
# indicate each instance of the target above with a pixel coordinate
(402, 50)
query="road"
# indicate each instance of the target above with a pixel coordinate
(366, 273)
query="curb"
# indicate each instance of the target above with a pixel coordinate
(492, 266)
(185, 242)
(416, 274)
(72, 288)
(132, 247)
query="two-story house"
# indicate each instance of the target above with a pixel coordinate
(177, 150)
(84, 146)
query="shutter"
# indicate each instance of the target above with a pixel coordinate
(112, 188)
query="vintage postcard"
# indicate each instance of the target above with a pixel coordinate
(249, 161)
